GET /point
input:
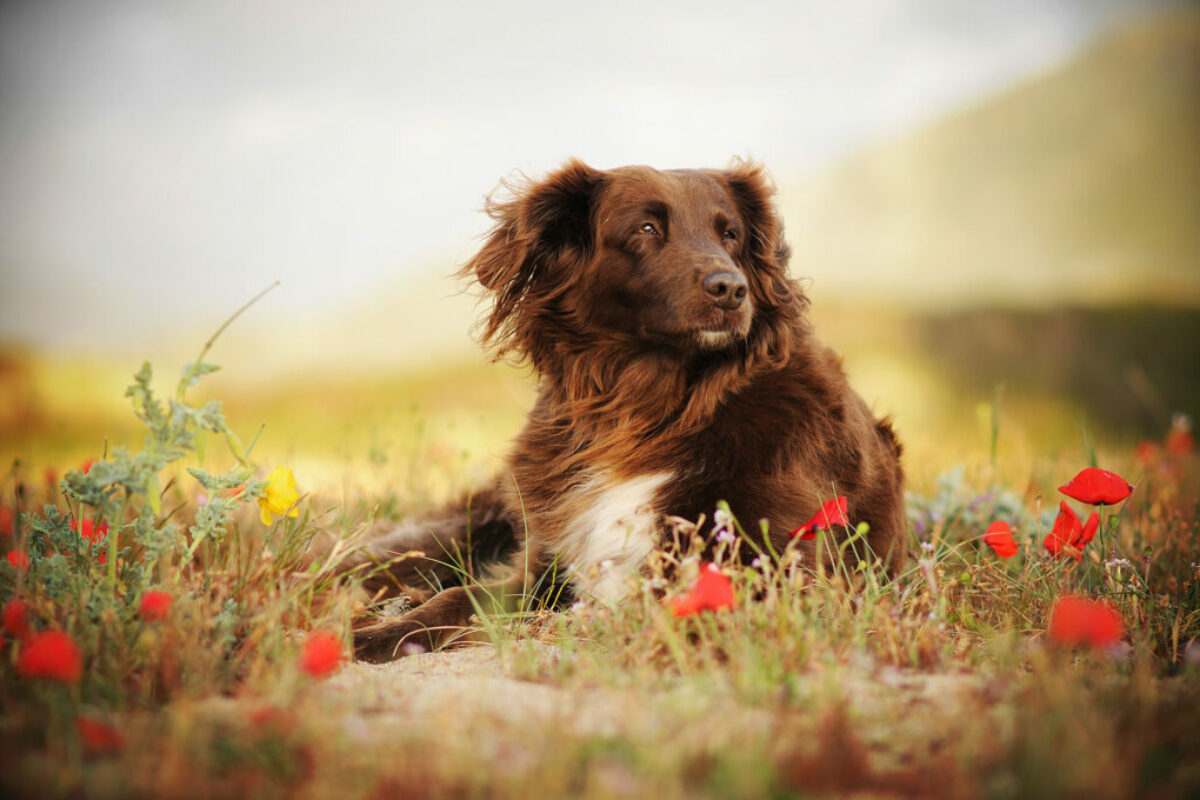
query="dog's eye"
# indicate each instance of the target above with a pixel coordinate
(648, 227)
(730, 235)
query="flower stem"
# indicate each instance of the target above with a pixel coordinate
(195, 368)
(114, 537)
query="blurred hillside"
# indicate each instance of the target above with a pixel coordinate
(1078, 186)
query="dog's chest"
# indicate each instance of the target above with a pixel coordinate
(610, 532)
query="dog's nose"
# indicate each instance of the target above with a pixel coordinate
(727, 289)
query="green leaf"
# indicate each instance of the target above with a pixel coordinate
(215, 483)
(210, 416)
(193, 372)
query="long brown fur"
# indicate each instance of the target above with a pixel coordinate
(645, 370)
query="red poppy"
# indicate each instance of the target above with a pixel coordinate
(1180, 441)
(832, 512)
(1078, 620)
(16, 617)
(89, 530)
(999, 537)
(52, 655)
(322, 654)
(93, 533)
(18, 559)
(6, 520)
(712, 592)
(1088, 532)
(1069, 535)
(272, 719)
(1146, 452)
(155, 605)
(86, 465)
(98, 737)
(1097, 487)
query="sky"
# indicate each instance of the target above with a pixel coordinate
(162, 162)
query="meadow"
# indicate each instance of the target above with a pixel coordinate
(175, 624)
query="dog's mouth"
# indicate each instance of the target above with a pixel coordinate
(721, 330)
(716, 340)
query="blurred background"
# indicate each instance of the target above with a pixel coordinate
(995, 207)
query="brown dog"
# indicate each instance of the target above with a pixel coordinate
(676, 369)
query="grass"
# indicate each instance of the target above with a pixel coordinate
(940, 682)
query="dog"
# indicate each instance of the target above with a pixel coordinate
(676, 368)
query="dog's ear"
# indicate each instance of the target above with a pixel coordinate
(779, 301)
(752, 189)
(540, 233)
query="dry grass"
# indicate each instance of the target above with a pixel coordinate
(940, 682)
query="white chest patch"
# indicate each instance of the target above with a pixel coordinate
(609, 538)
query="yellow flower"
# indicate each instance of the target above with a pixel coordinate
(279, 495)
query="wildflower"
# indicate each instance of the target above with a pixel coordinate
(926, 547)
(86, 466)
(1097, 487)
(832, 512)
(1145, 453)
(90, 530)
(1069, 534)
(96, 534)
(1076, 620)
(1180, 442)
(711, 592)
(412, 648)
(999, 537)
(270, 719)
(279, 496)
(16, 618)
(18, 559)
(6, 520)
(726, 536)
(52, 655)
(322, 654)
(1116, 562)
(155, 605)
(98, 737)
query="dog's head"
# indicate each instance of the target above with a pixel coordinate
(685, 261)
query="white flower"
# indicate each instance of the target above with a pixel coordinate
(412, 649)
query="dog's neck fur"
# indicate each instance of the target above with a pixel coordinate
(622, 400)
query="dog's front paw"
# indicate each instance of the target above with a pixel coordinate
(391, 639)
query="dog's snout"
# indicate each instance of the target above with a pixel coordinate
(727, 289)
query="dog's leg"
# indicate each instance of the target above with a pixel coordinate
(429, 626)
(446, 616)
(447, 548)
